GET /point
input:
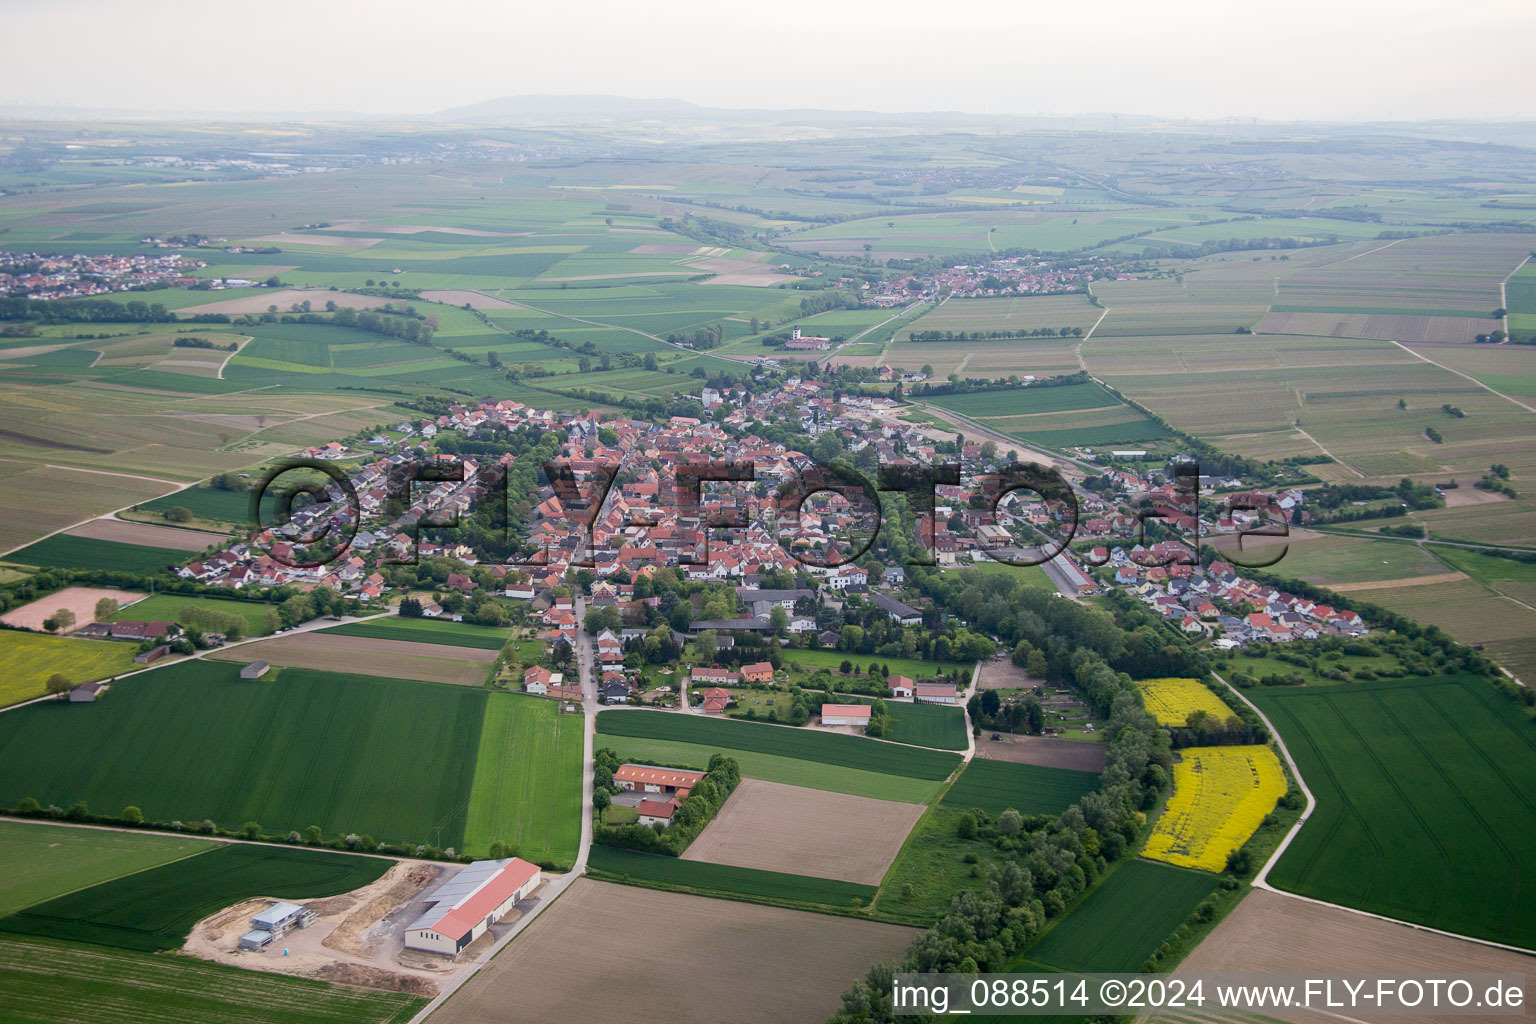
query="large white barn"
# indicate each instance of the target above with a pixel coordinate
(462, 908)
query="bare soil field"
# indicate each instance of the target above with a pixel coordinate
(626, 955)
(662, 249)
(1458, 497)
(80, 600)
(774, 827)
(256, 300)
(1384, 327)
(415, 229)
(397, 659)
(476, 300)
(342, 945)
(1269, 932)
(1411, 581)
(1043, 750)
(1002, 674)
(146, 534)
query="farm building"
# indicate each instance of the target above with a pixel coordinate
(273, 923)
(143, 630)
(656, 812)
(85, 693)
(643, 778)
(152, 655)
(901, 686)
(255, 670)
(936, 693)
(903, 614)
(460, 910)
(845, 714)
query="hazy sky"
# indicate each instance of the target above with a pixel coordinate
(1324, 59)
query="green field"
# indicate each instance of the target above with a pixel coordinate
(771, 768)
(206, 503)
(933, 865)
(1425, 807)
(169, 608)
(156, 908)
(927, 725)
(1027, 401)
(28, 659)
(62, 983)
(45, 861)
(706, 878)
(913, 668)
(1122, 921)
(65, 552)
(301, 748)
(427, 631)
(783, 741)
(995, 786)
(527, 788)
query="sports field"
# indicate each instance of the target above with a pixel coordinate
(707, 878)
(527, 788)
(303, 748)
(426, 631)
(782, 741)
(44, 861)
(28, 659)
(154, 909)
(1416, 781)
(1100, 934)
(69, 983)
(995, 786)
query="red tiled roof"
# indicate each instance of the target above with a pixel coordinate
(845, 710)
(490, 896)
(656, 808)
(657, 776)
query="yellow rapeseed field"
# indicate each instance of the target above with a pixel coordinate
(1220, 797)
(1171, 701)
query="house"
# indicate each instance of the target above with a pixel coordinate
(255, 670)
(613, 692)
(757, 672)
(656, 812)
(829, 637)
(901, 686)
(893, 576)
(713, 675)
(538, 680)
(846, 714)
(85, 693)
(936, 693)
(461, 909)
(642, 778)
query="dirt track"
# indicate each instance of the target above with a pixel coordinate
(626, 955)
(774, 827)
(1271, 932)
(1411, 581)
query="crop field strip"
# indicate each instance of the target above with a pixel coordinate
(425, 631)
(1220, 797)
(527, 781)
(995, 786)
(155, 909)
(46, 861)
(707, 878)
(193, 741)
(1172, 701)
(1098, 935)
(782, 741)
(1415, 780)
(70, 983)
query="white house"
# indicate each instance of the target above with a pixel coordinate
(462, 908)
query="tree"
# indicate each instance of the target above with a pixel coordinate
(965, 828)
(106, 608)
(132, 815)
(59, 683)
(65, 618)
(601, 800)
(312, 835)
(778, 618)
(1009, 823)
(251, 829)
